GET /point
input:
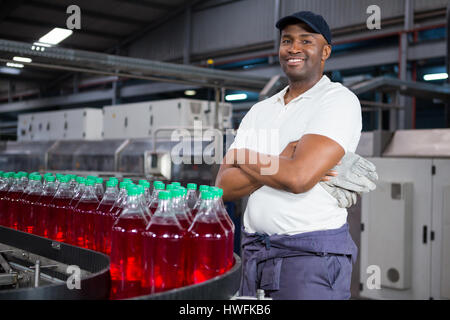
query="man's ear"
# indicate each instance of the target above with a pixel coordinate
(326, 52)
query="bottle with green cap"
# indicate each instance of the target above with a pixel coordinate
(147, 194)
(84, 217)
(165, 249)
(144, 201)
(191, 196)
(23, 179)
(178, 208)
(127, 264)
(157, 187)
(42, 205)
(4, 187)
(59, 211)
(226, 221)
(202, 188)
(12, 200)
(183, 203)
(99, 191)
(208, 240)
(121, 199)
(26, 205)
(105, 217)
(79, 190)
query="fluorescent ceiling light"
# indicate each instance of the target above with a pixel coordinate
(435, 76)
(9, 70)
(40, 44)
(235, 97)
(14, 65)
(190, 92)
(22, 59)
(56, 36)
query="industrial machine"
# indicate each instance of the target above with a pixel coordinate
(405, 222)
(33, 267)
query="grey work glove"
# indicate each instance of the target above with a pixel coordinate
(355, 176)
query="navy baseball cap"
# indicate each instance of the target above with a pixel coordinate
(314, 21)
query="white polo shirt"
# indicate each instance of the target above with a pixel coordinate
(328, 109)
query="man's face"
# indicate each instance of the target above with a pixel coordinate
(302, 53)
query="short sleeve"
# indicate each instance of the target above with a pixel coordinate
(338, 118)
(242, 132)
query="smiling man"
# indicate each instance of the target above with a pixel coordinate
(295, 238)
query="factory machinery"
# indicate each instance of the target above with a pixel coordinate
(133, 140)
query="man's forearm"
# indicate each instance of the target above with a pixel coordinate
(273, 171)
(236, 183)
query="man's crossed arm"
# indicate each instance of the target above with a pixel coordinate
(297, 169)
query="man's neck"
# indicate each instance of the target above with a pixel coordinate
(299, 87)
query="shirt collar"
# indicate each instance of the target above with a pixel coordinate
(307, 94)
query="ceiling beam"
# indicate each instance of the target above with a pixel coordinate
(89, 13)
(43, 25)
(150, 4)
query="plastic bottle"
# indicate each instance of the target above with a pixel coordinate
(4, 189)
(27, 204)
(99, 191)
(179, 210)
(42, 206)
(104, 218)
(165, 249)
(120, 201)
(191, 197)
(84, 217)
(126, 248)
(59, 211)
(226, 221)
(143, 201)
(208, 243)
(195, 208)
(157, 187)
(147, 194)
(13, 198)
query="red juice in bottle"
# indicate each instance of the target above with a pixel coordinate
(85, 212)
(158, 186)
(74, 220)
(194, 210)
(104, 218)
(28, 203)
(165, 249)
(208, 243)
(126, 248)
(41, 206)
(58, 211)
(226, 221)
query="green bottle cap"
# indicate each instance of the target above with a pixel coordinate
(140, 189)
(144, 183)
(111, 183)
(156, 182)
(90, 182)
(164, 195)
(11, 174)
(170, 187)
(17, 176)
(206, 195)
(159, 186)
(124, 184)
(127, 179)
(64, 179)
(176, 184)
(99, 180)
(50, 178)
(204, 188)
(192, 186)
(132, 190)
(35, 177)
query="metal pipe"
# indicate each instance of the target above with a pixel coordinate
(37, 272)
